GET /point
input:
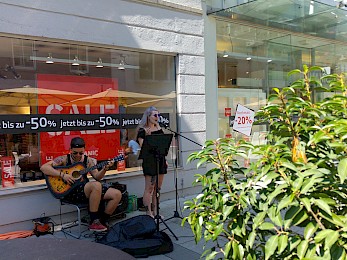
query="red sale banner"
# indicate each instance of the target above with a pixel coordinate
(77, 95)
(7, 175)
(227, 111)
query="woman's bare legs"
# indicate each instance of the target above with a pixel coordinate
(149, 196)
(148, 193)
(154, 197)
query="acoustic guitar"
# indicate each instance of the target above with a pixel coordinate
(60, 188)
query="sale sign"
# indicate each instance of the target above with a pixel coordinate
(244, 118)
(7, 175)
(121, 163)
(100, 144)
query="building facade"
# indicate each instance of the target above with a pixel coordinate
(194, 60)
(90, 69)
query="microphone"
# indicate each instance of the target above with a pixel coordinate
(162, 124)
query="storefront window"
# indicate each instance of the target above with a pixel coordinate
(62, 90)
(252, 60)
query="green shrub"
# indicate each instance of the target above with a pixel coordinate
(291, 202)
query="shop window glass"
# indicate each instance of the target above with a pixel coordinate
(252, 60)
(104, 86)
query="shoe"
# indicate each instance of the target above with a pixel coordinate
(142, 208)
(96, 226)
(105, 224)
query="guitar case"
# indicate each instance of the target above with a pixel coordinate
(138, 237)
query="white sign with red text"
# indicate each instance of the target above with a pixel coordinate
(7, 175)
(244, 118)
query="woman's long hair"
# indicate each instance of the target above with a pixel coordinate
(145, 118)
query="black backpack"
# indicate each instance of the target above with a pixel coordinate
(138, 237)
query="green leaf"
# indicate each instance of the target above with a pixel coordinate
(251, 257)
(276, 90)
(290, 214)
(226, 211)
(338, 253)
(342, 170)
(227, 248)
(331, 239)
(279, 189)
(218, 231)
(258, 219)
(289, 165)
(266, 226)
(302, 248)
(241, 251)
(202, 161)
(310, 229)
(308, 184)
(293, 242)
(275, 217)
(270, 246)
(296, 71)
(250, 240)
(315, 68)
(299, 218)
(236, 252)
(323, 205)
(297, 183)
(306, 202)
(338, 220)
(322, 235)
(285, 202)
(282, 243)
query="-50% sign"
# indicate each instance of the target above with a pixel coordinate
(41, 122)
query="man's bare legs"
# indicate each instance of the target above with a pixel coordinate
(113, 197)
(93, 192)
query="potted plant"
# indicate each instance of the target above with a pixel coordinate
(291, 202)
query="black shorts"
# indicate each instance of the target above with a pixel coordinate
(77, 195)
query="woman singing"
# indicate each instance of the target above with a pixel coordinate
(149, 125)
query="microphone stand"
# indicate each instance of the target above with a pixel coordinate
(176, 214)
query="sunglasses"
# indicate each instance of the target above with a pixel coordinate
(156, 115)
(80, 153)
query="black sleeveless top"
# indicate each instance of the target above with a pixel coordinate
(149, 164)
(69, 161)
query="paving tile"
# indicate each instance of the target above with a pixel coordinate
(182, 253)
(157, 257)
(184, 248)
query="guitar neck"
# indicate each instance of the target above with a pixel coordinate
(86, 170)
(102, 164)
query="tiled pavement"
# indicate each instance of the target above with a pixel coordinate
(184, 248)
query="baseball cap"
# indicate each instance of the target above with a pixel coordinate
(77, 142)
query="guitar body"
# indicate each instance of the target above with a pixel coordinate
(58, 186)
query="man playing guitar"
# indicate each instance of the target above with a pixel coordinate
(92, 192)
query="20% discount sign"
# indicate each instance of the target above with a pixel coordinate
(244, 118)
